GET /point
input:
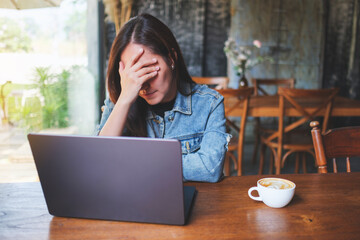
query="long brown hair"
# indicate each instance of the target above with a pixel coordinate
(149, 31)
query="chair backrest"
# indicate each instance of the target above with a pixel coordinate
(233, 98)
(260, 83)
(214, 82)
(236, 97)
(307, 103)
(335, 143)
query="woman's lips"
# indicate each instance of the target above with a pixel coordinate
(148, 94)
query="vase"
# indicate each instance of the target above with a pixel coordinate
(243, 81)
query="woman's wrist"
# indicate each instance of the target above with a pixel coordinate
(117, 119)
(124, 102)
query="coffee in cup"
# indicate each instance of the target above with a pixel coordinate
(274, 192)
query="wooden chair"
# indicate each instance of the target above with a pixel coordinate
(287, 137)
(213, 82)
(236, 97)
(259, 85)
(335, 143)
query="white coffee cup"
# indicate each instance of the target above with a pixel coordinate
(274, 192)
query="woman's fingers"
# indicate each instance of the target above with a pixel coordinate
(140, 76)
(146, 70)
(136, 57)
(142, 63)
(136, 63)
(143, 70)
(148, 76)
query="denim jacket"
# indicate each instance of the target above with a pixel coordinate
(198, 122)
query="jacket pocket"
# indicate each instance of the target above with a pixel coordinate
(190, 143)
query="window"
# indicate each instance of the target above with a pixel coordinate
(44, 82)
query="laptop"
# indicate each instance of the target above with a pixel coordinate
(112, 178)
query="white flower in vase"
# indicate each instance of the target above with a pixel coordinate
(241, 58)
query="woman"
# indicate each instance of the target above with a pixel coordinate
(151, 94)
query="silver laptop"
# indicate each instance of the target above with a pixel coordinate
(112, 178)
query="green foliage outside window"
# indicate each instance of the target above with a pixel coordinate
(13, 38)
(48, 108)
(53, 89)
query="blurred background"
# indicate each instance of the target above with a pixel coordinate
(53, 56)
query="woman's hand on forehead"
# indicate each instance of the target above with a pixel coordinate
(141, 58)
(133, 74)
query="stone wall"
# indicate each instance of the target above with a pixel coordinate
(291, 33)
(314, 41)
(342, 47)
(200, 27)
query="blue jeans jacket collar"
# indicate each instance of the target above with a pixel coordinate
(182, 104)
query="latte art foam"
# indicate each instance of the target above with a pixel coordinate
(276, 183)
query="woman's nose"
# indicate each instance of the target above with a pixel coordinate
(145, 86)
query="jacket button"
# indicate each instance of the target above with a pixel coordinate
(171, 118)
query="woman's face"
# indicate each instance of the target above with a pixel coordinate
(162, 87)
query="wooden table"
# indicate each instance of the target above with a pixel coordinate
(267, 106)
(325, 206)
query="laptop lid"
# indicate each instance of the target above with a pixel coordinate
(112, 178)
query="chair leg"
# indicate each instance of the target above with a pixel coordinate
(348, 167)
(239, 169)
(334, 165)
(277, 160)
(304, 162)
(240, 152)
(231, 159)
